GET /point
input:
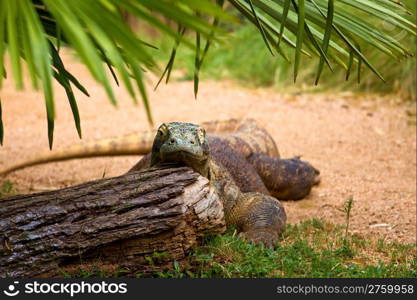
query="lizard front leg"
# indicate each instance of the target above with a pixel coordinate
(259, 217)
(286, 179)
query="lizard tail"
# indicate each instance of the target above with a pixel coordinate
(132, 144)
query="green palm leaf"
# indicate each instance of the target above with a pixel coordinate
(300, 35)
(326, 38)
(32, 32)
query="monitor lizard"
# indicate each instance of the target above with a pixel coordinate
(246, 172)
(243, 164)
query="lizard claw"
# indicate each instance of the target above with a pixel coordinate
(268, 238)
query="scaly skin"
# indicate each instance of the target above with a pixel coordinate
(235, 166)
(259, 217)
(251, 157)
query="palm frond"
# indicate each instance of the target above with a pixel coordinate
(32, 32)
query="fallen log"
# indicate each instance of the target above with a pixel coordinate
(117, 221)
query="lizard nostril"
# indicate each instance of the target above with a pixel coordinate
(192, 142)
(172, 141)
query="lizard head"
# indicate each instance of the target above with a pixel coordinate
(182, 143)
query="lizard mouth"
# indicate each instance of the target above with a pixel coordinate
(183, 157)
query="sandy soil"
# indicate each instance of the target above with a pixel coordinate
(365, 148)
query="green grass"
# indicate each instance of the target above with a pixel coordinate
(313, 248)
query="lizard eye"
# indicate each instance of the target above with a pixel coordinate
(201, 134)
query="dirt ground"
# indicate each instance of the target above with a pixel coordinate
(364, 147)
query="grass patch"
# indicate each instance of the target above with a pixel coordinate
(313, 248)
(92, 271)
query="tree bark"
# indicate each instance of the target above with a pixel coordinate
(140, 222)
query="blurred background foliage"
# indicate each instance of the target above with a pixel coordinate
(243, 57)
